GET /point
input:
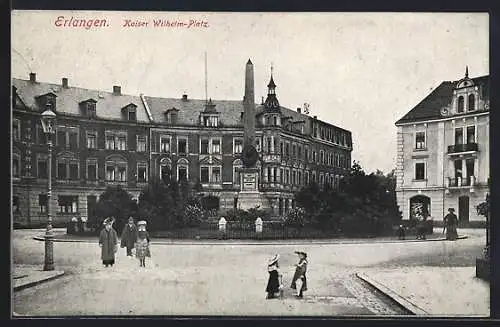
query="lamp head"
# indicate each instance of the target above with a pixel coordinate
(48, 121)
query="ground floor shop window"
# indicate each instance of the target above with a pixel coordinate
(68, 203)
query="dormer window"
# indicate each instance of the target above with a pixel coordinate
(472, 103)
(171, 115)
(88, 108)
(460, 105)
(47, 101)
(210, 120)
(130, 112)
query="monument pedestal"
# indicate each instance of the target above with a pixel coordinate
(249, 195)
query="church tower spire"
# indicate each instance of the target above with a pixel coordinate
(466, 71)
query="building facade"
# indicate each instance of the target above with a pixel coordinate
(109, 138)
(443, 151)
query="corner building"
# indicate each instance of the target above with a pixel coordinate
(106, 138)
(443, 151)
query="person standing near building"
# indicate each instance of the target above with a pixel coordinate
(129, 236)
(142, 244)
(300, 275)
(273, 283)
(108, 241)
(451, 222)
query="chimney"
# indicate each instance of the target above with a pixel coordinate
(315, 117)
(117, 90)
(298, 110)
(65, 82)
(262, 100)
(184, 97)
(32, 77)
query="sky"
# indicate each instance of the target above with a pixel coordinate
(358, 71)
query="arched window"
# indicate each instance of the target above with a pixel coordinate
(165, 168)
(460, 106)
(472, 103)
(116, 168)
(182, 169)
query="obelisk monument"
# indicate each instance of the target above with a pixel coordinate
(249, 195)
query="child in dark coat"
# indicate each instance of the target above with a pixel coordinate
(300, 275)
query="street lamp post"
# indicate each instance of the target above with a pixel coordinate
(48, 121)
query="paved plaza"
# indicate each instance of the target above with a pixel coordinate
(230, 279)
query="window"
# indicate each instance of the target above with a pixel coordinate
(182, 146)
(15, 165)
(61, 170)
(458, 168)
(471, 134)
(141, 144)
(92, 169)
(142, 175)
(110, 173)
(313, 176)
(314, 156)
(61, 136)
(275, 121)
(469, 165)
(211, 121)
(110, 142)
(91, 109)
(73, 139)
(165, 144)
(287, 149)
(420, 171)
(420, 140)
(122, 143)
(73, 170)
(460, 105)
(216, 177)
(268, 144)
(182, 173)
(299, 152)
(42, 168)
(275, 146)
(204, 177)
(216, 146)
(236, 174)
(204, 146)
(472, 103)
(459, 136)
(321, 179)
(132, 114)
(282, 177)
(306, 177)
(238, 146)
(16, 129)
(299, 178)
(173, 117)
(322, 157)
(294, 150)
(306, 153)
(68, 204)
(275, 174)
(281, 148)
(92, 140)
(294, 176)
(40, 135)
(287, 176)
(42, 203)
(165, 169)
(15, 203)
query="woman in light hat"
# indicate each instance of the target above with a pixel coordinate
(108, 241)
(142, 244)
(273, 283)
(300, 274)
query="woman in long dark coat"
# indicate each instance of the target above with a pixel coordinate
(300, 274)
(129, 236)
(451, 222)
(108, 241)
(273, 283)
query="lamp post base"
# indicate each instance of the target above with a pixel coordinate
(49, 252)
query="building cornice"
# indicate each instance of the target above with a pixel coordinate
(443, 119)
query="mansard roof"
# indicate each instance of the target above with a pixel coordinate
(441, 97)
(69, 99)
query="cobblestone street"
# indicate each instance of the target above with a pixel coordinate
(218, 279)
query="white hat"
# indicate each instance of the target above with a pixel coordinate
(274, 259)
(142, 222)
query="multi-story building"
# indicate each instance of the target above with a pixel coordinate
(108, 138)
(443, 151)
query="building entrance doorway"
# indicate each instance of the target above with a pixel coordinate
(463, 210)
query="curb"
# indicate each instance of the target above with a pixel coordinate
(206, 242)
(39, 281)
(407, 305)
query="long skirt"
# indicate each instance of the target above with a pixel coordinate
(142, 249)
(451, 232)
(302, 278)
(273, 284)
(108, 262)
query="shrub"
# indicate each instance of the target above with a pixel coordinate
(295, 218)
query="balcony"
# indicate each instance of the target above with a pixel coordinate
(461, 148)
(459, 182)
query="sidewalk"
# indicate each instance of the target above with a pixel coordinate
(24, 276)
(63, 237)
(438, 291)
